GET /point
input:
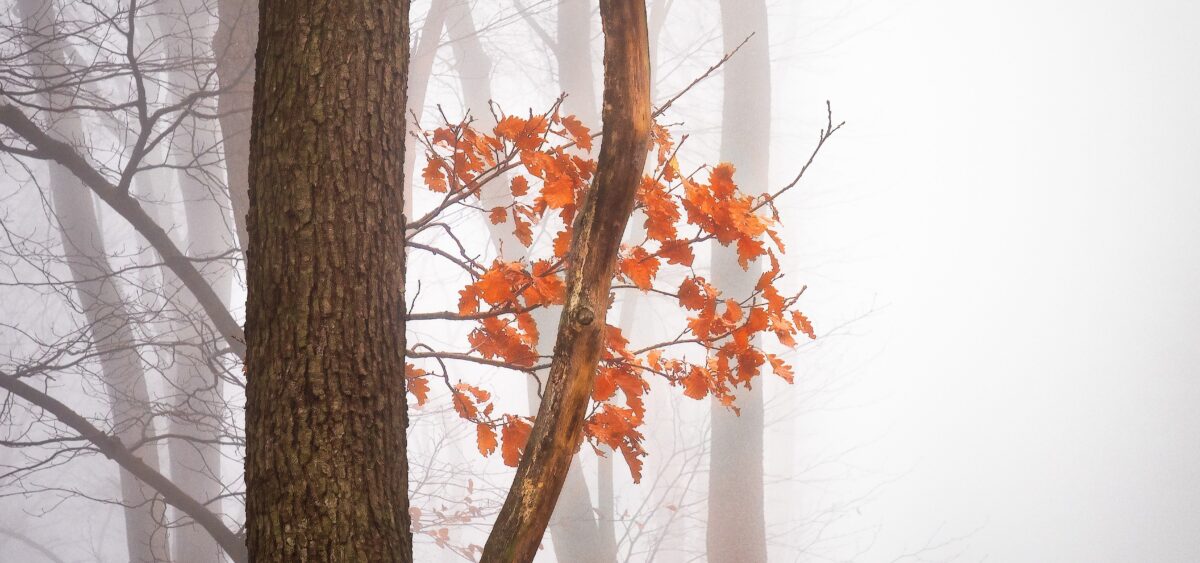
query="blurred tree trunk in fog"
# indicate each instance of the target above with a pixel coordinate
(420, 70)
(736, 521)
(195, 394)
(326, 411)
(100, 299)
(233, 48)
(474, 69)
(573, 53)
(607, 514)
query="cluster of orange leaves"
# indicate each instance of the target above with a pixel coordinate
(550, 165)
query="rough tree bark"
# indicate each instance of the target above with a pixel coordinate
(598, 228)
(326, 473)
(736, 522)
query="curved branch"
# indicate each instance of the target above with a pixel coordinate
(132, 211)
(113, 449)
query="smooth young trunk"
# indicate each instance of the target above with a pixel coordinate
(573, 526)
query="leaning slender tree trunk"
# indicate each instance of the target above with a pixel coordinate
(602, 218)
(103, 306)
(579, 531)
(326, 474)
(736, 521)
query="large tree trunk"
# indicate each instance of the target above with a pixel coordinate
(736, 522)
(326, 473)
(99, 298)
(602, 218)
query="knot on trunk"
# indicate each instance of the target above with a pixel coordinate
(584, 315)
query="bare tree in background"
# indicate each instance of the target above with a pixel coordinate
(736, 518)
(108, 317)
(233, 52)
(167, 154)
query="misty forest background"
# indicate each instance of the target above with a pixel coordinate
(998, 250)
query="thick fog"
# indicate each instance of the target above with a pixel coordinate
(997, 249)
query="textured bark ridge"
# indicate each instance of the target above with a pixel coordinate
(326, 415)
(597, 236)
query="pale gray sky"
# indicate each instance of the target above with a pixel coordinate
(1018, 191)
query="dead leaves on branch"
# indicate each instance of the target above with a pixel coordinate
(548, 159)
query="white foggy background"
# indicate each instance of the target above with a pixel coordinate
(1017, 193)
(998, 249)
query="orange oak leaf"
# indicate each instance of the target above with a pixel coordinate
(677, 252)
(661, 211)
(485, 438)
(640, 267)
(559, 192)
(695, 384)
(468, 301)
(781, 368)
(523, 230)
(514, 434)
(580, 133)
(733, 311)
(417, 385)
(804, 324)
(519, 186)
(495, 286)
(690, 296)
(435, 178)
(562, 243)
